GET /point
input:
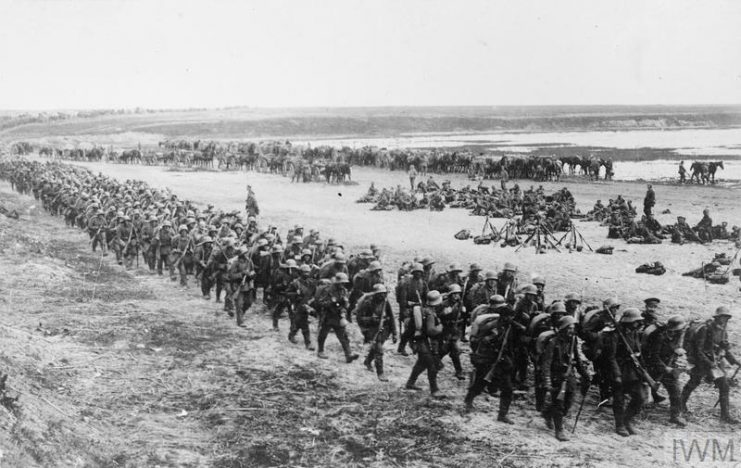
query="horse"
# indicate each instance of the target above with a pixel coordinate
(699, 172)
(712, 167)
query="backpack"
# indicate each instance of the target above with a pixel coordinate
(542, 341)
(690, 339)
(482, 240)
(463, 234)
(481, 326)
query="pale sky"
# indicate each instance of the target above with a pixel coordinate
(162, 54)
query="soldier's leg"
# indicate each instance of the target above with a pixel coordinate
(618, 408)
(476, 384)
(636, 391)
(303, 325)
(690, 386)
(160, 263)
(455, 356)
(368, 337)
(378, 346)
(521, 364)
(277, 311)
(219, 286)
(182, 270)
(723, 393)
(206, 284)
(345, 342)
(321, 338)
(675, 400)
(417, 369)
(506, 388)
(229, 289)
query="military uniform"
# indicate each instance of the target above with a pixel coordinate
(376, 321)
(331, 303)
(301, 291)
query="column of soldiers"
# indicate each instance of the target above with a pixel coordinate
(516, 337)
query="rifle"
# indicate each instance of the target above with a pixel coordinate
(562, 391)
(190, 240)
(581, 407)
(490, 375)
(636, 363)
(732, 377)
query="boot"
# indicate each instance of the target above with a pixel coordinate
(412, 385)
(292, 338)
(504, 409)
(540, 399)
(309, 346)
(351, 357)
(368, 364)
(621, 430)
(676, 419)
(558, 423)
(322, 355)
(629, 427)
(548, 420)
(438, 395)
(725, 413)
(657, 397)
(382, 377)
(504, 419)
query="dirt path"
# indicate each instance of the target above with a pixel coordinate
(128, 370)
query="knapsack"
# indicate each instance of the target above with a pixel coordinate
(690, 339)
(463, 234)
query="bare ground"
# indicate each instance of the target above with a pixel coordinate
(120, 369)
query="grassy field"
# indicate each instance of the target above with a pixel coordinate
(120, 368)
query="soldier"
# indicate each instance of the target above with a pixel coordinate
(662, 345)
(591, 328)
(410, 291)
(365, 280)
(542, 327)
(96, 228)
(650, 310)
(507, 282)
(183, 253)
(412, 175)
(331, 303)
(559, 359)
(524, 310)
(429, 271)
(127, 234)
(147, 235)
(443, 281)
(481, 292)
(682, 231)
(203, 252)
(622, 372)
(280, 283)
(301, 292)
(377, 323)
(682, 173)
(427, 329)
(649, 201)
(706, 351)
(493, 364)
(337, 265)
(451, 315)
(359, 262)
(218, 265)
(705, 227)
(164, 241)
(472, 279)
(240, 290)
(572, 303)
(539, 282)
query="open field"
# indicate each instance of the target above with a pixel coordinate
(128, 370)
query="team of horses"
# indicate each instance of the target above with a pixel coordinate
(703, 172)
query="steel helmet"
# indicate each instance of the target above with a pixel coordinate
(262, 242)
(167, 224)
(497, 299)
(418, 267)
(306, 252)
(557, 307)
(675, 323)
(565, 322)
(375, 265)
(206, 239)
(339, 258)
(427, 261)
(490, 275)
(572, 297)
(341, 278)
(454, 288)
(630, 315)
(610, 303)
(475, 267)
(529, 289)
(452, 268)
(434, 298)
(538, 280)
(278, 248)
(291, 263)
(379, 289)
(305, 268)
(722, 311)
(509, 267)
(182, 228)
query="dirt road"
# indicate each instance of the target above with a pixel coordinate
(136, 372)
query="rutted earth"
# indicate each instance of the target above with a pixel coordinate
(128, 370)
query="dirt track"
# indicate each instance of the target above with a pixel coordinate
(199, 376)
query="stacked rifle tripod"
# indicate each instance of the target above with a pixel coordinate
(540, 237)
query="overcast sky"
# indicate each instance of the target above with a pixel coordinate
(102, 54)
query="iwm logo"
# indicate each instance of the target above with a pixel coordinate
(703, 449)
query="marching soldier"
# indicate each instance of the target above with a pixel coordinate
(507, 282)
(377, 323)
(301, 292)
(662, 346)
(619, 347)
(560, 357)
(331, 303)
(183, 253)
(482, 291)
(451, 315)
(164, 242)
(410, 291)
(427, 328)
(239, 294)
(706, 352)
(203, 252)
(493, 364)
(281, 280)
